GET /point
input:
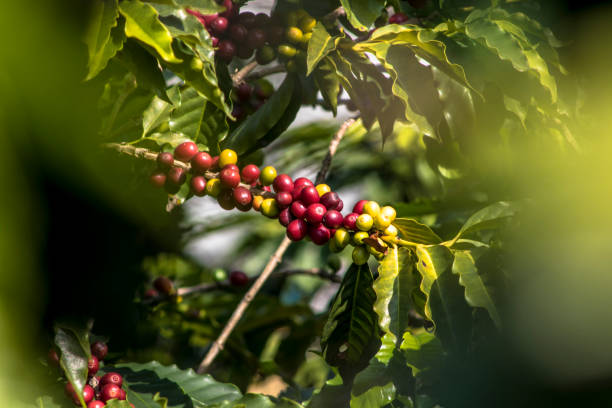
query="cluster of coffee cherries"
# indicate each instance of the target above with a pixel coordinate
(98, 390)
(305, 209)
(250, 97)
(242, 34)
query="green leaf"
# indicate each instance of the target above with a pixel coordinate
(362, 13)
(489, 217)
(47, 402)
(205, 7)
(327, 81)
(142, 23)
(159, 111)
(376, 397)
(478, 291)
(394, 287)
(352, 321)
(145, 68)
(115, 403)
(102, 40)
(413, 231)
(433, 261)
(73, 344)
(422, 350)
(319, 45)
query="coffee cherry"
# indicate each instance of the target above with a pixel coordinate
(93, 365)
(333, 246)
(341, 237)
(332, 219)
(53, 357)
(358, 237)
(262, 20)
(213, 187)
(99, 349)
(319, 235)
(95, 404)
(214, 41)
(198, 186)
(219, 25)
(360, 255)
(226, 199)
(244, 51)
(269, 208)
(185, 151)
(350, 221)
(112, 378)
(250, 173)
(339, 206)
(231, 9)
(315, 213)
(391, 231)
(287, 50)
(231, 167)
(214, 166)
(283, 182)
(176, 176)
(365, 222)
(388, 212)
(110, 391)
(268, 174)
(285, 217)
(226, 50)
(122, 395)
(243, 92)
(298, 209)
(238, 278)
(398, 18)
(275, 35)
(165, 160)
(299, 184)
(309, 195)
(151, 293)
(247, 19)
(163, 285)
(358, 208)
(294, 35)
(305, 38)
(330, 200)
(256, 38)
(307, 24)
(323, 189)
(227, 156)
(284, 199)
(88, 395)
(371, 208)
(229, 177)
(242, 197)
(196, 64)
(257, 200)
(265, 55)
(201, 162)
(381, 222)
(297, 230)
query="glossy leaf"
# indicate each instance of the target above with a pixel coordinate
(142, 23)
(433, 261)
(145, 68)
(73, 344)
(159, 111)
(352, 321)
(205, 7)
(327, 81)
(478, 291)
(376, 396)
(319, 45)
(102, 41)
(362, 13)
(422, 350)
(489, 217)
(413, 231)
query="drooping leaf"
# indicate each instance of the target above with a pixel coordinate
(352, 321)
(159, 111)
(102, 40)
(145, 68)
(142, 23)
(478, 291)
(376, 397)
(422, 350)
(73, 344)
(489, 217)
(362, 13)
(319, 45)
(433, 261)
(327, 81)
(413, 231)
(373, 387)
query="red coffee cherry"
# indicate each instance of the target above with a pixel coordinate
(151, 293)
(165, 160)
(229, 177)
(93, 365)
(315, 213)
(238, 278)
(99, 349)
(262, 20)
(320, 235)
(332, 219)
(176, 176)
(299, 184)
(398, 18)
(284, 199)
(110, 391)
(256, 38)
(298, 209)
(330, 200)
(112, 378)
(297, 230)
(285, 217)
(123, 395)
(244, 91)
(275, 35)
(247, 19)
(231, 9)
(215, 41)
(96, 404)
(242, 196)
(250, 173)
(214, 166)
(219, 25)
(209, 18)
(231, 167)
(198, 186)
(226, 50)
(158, 179)
(238, 33)
(309, 195)
(283, 182)
(201, 162)
(350, 221)
(53, 357)
(185, 151)
(163, 285)
(88, 393)
(226, 199)
(339, 206)
(358, 208)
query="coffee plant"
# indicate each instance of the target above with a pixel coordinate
(363, 176)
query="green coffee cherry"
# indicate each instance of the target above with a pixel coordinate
(359, 237)
(287, 51)
(333, 246)
(265, 55)
(196, 64)
(342, 238)
(269, 208)
(213, 187)
(219, 275)
(360, 255)
(365, 222)
(334, 262)
(307, 24)
(267, 176)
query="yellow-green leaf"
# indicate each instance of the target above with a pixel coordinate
(433, 261)
(413, 231)
(320, 44)
(362, 13)
(102, 40)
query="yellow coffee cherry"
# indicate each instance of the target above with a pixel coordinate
(307, 23)
(360, 255)
(372, 208)
(213, 187)
(267, 175)
(196, 64)
(381, 222)
(294, 35)
(257, 200)
(388, 212)
(227, 156)
(322, 189)
(359, 237)
(365, 222)
(269, 208)
(342, 238)
(391, 231)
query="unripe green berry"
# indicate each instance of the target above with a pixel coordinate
(365, 222)
(269, 208)
(342, 238)
(265, 55)
(267, 176)
(372, 208)
(358, 237)
(360, 255)
(213, 187)
(219, 274)
(333, 246)
(227, 156)
(334, 262)
(391, 231)
(307, 24)
(196, 64)
(287, 50)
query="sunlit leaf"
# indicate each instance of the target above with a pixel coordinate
(102, 39)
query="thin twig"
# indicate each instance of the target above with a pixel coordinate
(264, 72)
(217, 345)
(238, 77)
